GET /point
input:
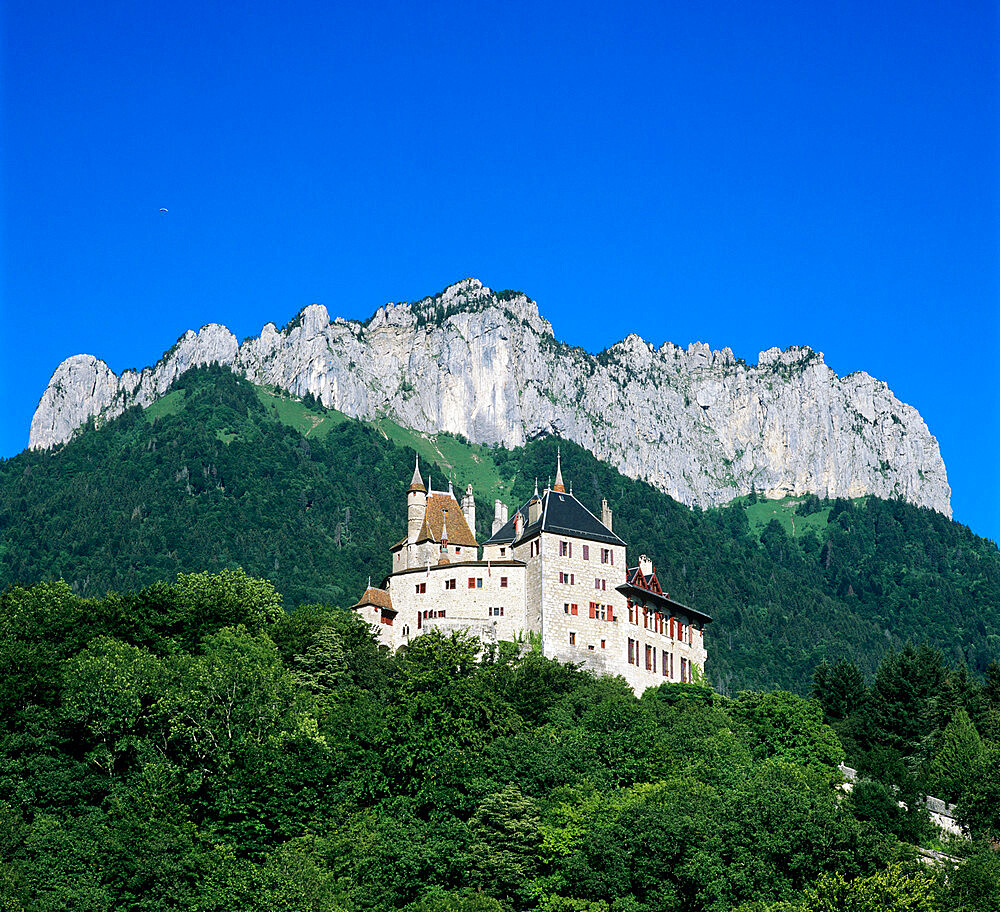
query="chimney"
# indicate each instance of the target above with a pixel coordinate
(645, 566)
(469, 509)
(499, 517)
(606, 513)
(518, 525)
(534, 506)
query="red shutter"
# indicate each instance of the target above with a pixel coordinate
(593, 609)
(611, 613)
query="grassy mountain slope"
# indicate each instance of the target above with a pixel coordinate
(219, 474)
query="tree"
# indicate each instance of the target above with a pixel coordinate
(959, 751)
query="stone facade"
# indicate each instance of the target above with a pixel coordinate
(555, 574)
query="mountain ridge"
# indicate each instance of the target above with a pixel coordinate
(700, 425)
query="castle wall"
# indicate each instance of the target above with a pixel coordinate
(477, 609)
(568, 580)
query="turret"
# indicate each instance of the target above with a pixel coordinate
(416, 505)
(606, 513)
(469, 509)
(499, 516)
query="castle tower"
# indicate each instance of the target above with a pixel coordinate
(559, 487)
(606, 513)
(469, 509)
(416, 505)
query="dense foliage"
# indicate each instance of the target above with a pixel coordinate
(193, 747)
(215, 481)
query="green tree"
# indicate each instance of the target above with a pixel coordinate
(959, 751)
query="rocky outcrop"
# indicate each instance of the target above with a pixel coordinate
(698, 424)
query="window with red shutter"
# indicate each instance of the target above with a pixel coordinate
(472, 582)
(593, 609)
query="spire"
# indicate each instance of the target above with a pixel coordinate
(443, 559)
(559, 486)
(418, 483)
(451, 491)
(536, 487)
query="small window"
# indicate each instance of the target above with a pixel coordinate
(574, 608)
(572, 579)
(593, 609)
(604, 644)
(458, 550)
(421, 588)
(649, 657)
(566, 608)
(563, 549)
(479, 582)
(440, 614)
(472, 582)
(503, 552)
(406, 630)
(591, 648)
(631, 651)
(450, 584)
(572, 639)
(664, 664)
(586, 552)
(503, 582)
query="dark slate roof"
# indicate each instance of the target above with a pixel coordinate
(562, 514)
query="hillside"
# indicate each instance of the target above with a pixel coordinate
(699, 425)
(221, 474)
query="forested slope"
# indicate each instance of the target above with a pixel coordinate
(218, 475)
(194, 747)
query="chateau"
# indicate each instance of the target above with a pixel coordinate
(554, 572)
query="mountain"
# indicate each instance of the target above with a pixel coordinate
(218, 474)
(699, 425)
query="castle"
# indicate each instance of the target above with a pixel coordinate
(554, 572)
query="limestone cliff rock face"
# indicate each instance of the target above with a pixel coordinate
(696, 423)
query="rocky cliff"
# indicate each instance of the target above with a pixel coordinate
(698, 424)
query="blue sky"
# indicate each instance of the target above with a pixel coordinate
(743, 174)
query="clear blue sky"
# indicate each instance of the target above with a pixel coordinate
(743, 174)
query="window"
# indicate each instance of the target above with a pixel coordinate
(566, 608)
(479, 582)
(574, 609)
(535, 547)
(611, 613)
(630, 613)
(649, 658)
(450, 583)
(664, 663)
(604, 555)
(406, 630)
(591, 648)
(418, 620)
(568, 579)
(604, 644)
(608, 556)
(458, 550)
(597, 583)
(440, 614)
(421, 588)
(496, 612)
(503, 582)
(684, 670)
(565, 549)
(593, 609)
(631, 651)
(472, 582)
(586, 552)
(572, 639)
(604, 584)
(503, 552)
(671, 628)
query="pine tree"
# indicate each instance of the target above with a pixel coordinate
(960, 751)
